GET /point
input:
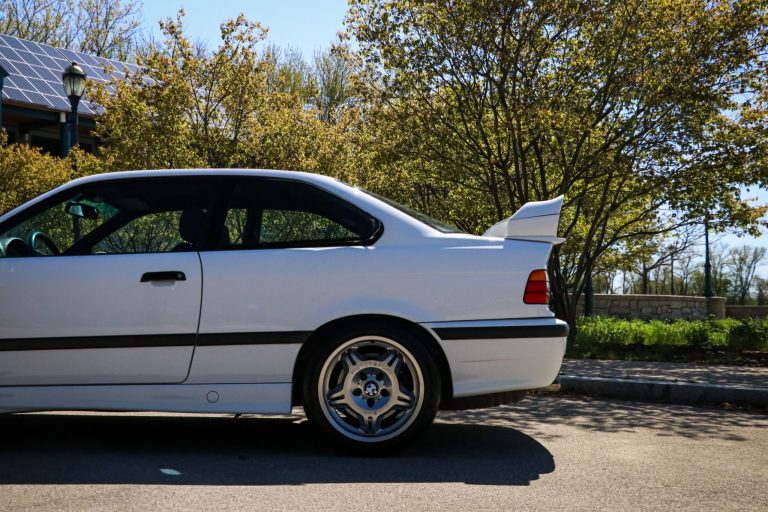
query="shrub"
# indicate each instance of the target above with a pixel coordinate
(697, 334)
(719, 330)
(608, 337)
(749, 334)
(26, 172)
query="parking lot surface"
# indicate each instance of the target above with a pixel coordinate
(550, 452)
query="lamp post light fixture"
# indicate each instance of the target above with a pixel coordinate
(73, 79)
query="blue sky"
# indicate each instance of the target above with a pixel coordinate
(761, 197)
(302, 24)
(308, 26)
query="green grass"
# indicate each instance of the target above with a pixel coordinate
(728, 340)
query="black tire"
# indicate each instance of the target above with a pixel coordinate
(363, 386)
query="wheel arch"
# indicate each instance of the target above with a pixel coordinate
(417, 330)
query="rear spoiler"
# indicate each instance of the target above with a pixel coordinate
(535, 221)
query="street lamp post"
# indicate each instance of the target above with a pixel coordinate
(3, 76)
(707, 264)
(589, 294)
(73, 80)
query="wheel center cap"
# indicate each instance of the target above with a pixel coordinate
(371, 389)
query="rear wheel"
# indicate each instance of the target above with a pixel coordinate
(372, 388)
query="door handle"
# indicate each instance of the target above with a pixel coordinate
(172, 275)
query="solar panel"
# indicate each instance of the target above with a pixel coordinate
(14, 42)
(34, 73)
(59, 103)
(15, 95)
(8, 53)
(9, 66)
(29, 58)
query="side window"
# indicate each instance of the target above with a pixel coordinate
(145, 215)
(157, 215)
(278, 226)
(274, 213)
(154, 232)
(57, 228)
(234, 224)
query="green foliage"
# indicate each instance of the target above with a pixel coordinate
(626, 107)
(26, 172)
(232, 106)
(751, 334)
(612, 337)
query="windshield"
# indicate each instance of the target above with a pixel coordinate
(439, 225)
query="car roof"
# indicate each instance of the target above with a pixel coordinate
(265, 173)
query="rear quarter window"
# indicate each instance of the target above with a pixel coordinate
(273, 212)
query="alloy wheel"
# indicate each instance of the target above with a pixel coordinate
(371, 388)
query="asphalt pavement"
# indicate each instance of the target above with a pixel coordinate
(549, 452)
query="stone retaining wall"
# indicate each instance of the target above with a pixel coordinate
(746, 311)
(657, 307)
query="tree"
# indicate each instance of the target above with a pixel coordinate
(721, 281)
(232, 106)
(687, 267)
(334, 90)
(189, 107)
(619, 105)
(743, 262)
(288, 73)
(761, 286)
(661, 252)
(106, 28)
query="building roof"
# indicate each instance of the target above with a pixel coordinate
(34, 74)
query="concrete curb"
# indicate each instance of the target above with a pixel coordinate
(663, 391)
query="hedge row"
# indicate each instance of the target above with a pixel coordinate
(598, 336)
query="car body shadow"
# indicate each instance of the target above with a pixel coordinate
(194, 450)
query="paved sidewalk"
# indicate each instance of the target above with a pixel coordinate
(666, 382)
(674, 372)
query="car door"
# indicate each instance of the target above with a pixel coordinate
(288, 241)
(121, 302)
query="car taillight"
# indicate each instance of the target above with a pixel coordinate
(537, 288)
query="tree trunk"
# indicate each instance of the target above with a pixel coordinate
(556, 285)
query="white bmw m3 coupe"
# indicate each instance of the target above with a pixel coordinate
(250, 291)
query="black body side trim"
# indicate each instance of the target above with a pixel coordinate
(155, 340)
(253, 338)
(76, 342)
(515, 331)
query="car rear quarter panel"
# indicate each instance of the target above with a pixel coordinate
(299, 290)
